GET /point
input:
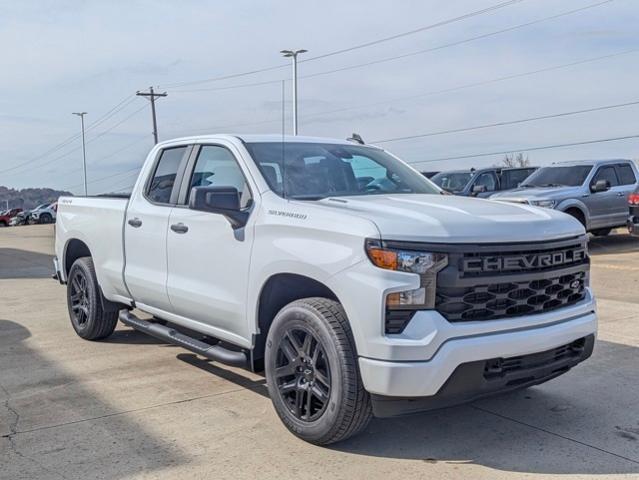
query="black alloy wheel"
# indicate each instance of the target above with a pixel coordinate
(79, 298)
(303, 374)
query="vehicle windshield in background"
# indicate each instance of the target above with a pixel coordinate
(568, 176)
(313, 171)
(453, 182)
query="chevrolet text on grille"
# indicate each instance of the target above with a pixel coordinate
(523, 262)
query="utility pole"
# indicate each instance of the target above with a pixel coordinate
(152, 96)
(84, 150)
(293, 54)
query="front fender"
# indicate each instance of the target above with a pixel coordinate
(569, 203)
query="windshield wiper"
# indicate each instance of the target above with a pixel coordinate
(307, 196)
(552, 185)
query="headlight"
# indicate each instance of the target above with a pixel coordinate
(424, 264)
(543, 203)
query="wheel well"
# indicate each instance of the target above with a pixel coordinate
(280, 290)
(75, 249)
(578, 214)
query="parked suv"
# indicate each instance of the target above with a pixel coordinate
(594, 192)
(7, 215)
(483, 182)
(44, 213)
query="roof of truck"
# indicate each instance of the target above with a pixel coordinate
(592, 162)
(261, 138)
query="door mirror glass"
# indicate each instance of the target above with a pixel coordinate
(600, 186)
(221, 200)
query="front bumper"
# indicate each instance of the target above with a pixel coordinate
(426, 378)
(474, 380)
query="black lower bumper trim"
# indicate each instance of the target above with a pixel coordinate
(474, 380)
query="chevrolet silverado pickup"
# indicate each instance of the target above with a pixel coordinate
(349, 279)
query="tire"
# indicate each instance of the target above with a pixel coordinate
(578, 215)
(45, 218)
(3, 224)
(84, 301)
(324, 363)
(601, 232)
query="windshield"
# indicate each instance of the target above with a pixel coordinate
(452, 181)
(316, 170)
(568, 176)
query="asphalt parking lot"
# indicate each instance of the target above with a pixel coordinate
(133, 407)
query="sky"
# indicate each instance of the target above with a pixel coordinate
(64, 56)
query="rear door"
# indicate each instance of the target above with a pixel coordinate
(208, 261)
(603, 205)
(627, 184)
(145, 229)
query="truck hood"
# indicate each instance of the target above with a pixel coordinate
(523, 194)
(451, 219)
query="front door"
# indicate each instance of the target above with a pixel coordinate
(145, 230)
(602, 205)
(208, 261)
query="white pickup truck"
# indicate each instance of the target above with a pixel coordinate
(357, 285)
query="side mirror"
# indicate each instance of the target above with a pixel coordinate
(477, 189)
(600, 186)
(222, 200)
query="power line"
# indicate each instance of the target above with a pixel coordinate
(474, 84)
(101, 134)
(349, 49)
(528, 149)
(417, 30)
(113, 111)
(406, 55)
(509, 122)
(457, 43)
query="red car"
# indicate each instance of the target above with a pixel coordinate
(7, 215)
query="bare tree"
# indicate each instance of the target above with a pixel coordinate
(518, 160)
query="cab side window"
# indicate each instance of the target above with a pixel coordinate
(606, 173)
(487, 180)
(216, 167)
(161, 185)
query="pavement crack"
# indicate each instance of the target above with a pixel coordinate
(13, 431)
(564, 437)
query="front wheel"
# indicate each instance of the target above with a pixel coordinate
(312, 372)
(84, 300)
(45, 218)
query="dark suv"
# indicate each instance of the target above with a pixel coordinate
(481, 182)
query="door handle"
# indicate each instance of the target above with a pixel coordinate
(179, 228)
(135, 222)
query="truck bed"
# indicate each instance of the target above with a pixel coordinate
(98, 223)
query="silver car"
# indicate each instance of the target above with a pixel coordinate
(595, 192)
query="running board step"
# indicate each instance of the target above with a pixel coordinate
(170, 335)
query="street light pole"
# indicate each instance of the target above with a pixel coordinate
(293, 54)
(84, 150)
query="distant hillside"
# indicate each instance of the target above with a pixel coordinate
(28, 198)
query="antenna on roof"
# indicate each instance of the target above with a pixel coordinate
(357, 138)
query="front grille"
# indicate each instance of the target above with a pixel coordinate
(489, 282)
(490, 301)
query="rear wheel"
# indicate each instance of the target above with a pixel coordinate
(601, 232)
(312, 372)
(84, 300)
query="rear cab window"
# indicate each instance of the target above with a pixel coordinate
(160, 189)
(626, 174)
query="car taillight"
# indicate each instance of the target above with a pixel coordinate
(633, 199)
